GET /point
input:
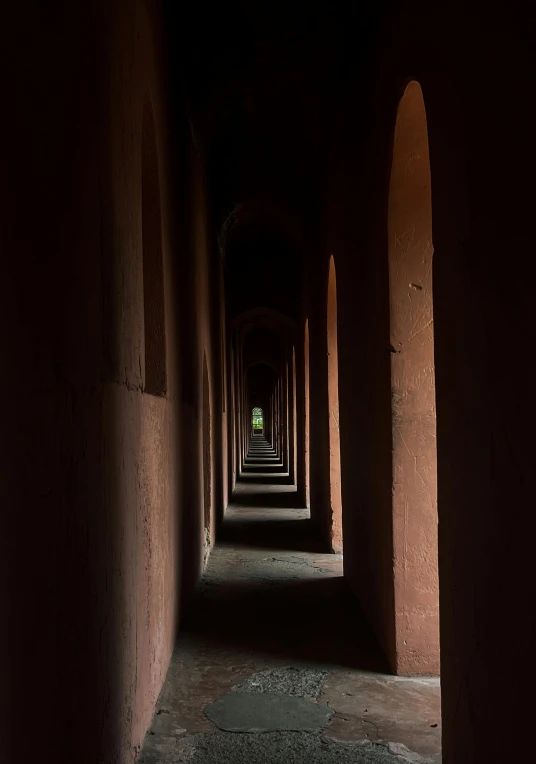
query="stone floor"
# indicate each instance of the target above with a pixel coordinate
(275, 661)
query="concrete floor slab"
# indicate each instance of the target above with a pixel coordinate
(266, 712)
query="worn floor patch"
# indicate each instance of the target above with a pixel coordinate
(273, 748)
(265, 712)
(302, 683)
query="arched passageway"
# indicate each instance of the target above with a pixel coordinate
(306, 415)
(334, 426)
(414, 490)
(179, 184)
(207, 461)
(257, 421)
(153, 266)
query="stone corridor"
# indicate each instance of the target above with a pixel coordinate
(275, 663)
(268, 430)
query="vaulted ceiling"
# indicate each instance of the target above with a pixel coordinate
(261, 79)
(258, 78)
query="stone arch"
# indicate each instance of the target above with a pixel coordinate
(207, 452)
(257, 416)
(307, 414)
(294, 414)
(233, 421)
(223, 364)
(414, 489)
(333, 399)
(155, 381)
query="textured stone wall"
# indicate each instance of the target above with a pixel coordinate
(94, 490)
(335, 520)
(481, 159)
(413, 403)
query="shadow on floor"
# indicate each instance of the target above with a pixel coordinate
(272, 587)
(266, 469)
(260, 479)
(314, 620)
(290, 535)
(269, 461)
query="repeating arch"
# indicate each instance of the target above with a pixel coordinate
(153, 266)
(334, 430)
(414, 488)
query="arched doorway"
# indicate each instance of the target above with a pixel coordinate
(334, 431)
(293, 421)
(414, 488)
(306, 414)
(155, 381)
(257, 421)
(207, 460)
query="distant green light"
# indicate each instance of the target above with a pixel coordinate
(257, 419)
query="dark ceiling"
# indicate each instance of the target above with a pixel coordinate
(261, 81)
(259, 78)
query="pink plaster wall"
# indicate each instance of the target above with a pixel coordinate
(94, 489)
(414, 492)
(482, 160)
(306, 416)
(333, 413)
